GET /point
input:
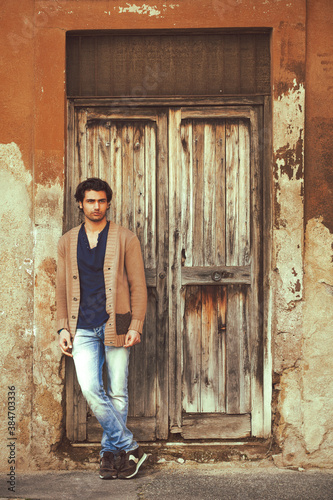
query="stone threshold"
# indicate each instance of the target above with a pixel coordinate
(201, 452)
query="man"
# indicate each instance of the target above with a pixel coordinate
(101, 305)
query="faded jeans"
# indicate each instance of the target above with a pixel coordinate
(110, 406)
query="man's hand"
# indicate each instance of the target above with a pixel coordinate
(132, 338)
(65, 342)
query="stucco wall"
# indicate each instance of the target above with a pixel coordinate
(32, 152)
(17, 249)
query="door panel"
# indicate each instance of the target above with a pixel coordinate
(214, 268)
(204, 349)
(216, 194)
(125, 152)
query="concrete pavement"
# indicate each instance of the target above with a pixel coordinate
(174, 481)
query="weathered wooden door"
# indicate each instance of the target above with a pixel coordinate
(214, 252)
(128, 148)
(187, 181)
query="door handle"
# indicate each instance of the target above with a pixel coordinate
(217, 276)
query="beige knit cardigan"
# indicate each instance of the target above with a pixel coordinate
(125, 285)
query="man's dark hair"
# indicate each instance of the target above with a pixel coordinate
(93, 184)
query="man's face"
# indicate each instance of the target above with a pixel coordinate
(94, 205)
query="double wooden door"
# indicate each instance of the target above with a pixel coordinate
(187, 181)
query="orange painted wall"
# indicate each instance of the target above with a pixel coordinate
(319, 112)
(52, 19)
(34, 57)
(17, 82)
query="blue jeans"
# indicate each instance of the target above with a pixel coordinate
(110, 407)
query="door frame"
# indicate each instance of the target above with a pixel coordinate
(261, 423)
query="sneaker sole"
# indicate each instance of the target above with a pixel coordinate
(138, 465)
(108, 476)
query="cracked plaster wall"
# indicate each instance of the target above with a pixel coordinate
(288, 127)
(16, 318)
(288, 117)
(317, 363)
(304, 428)
(48, 372)
(303, 368)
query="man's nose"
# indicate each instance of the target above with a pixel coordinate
(96, 205)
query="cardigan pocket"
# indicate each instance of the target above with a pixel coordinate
(123, 322)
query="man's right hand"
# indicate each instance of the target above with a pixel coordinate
(65, 342)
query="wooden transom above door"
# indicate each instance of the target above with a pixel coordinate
(188, 182)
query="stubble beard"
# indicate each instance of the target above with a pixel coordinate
(95, 218)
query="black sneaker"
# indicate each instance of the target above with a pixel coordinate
(130, 463)
(107, 469)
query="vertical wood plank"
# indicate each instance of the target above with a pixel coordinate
(148, 352)
(233, 351)
(175, 344)
(209, 351)
(232, 181)
(162, 280)
(209, 198)
(222, 319)
(266, 146)
(143, 357)
(80, 168)
(106, 167)
(138, 190)
(244, 219)
(127, 168)
(150, 155)
(139, 354)
(245, 367)
(149, 159)
(71, 153)
(104, 151)
(116, 171)
(198, 207)
(70, 423)
(257, 415)
(138, 377)
(192, 350)
(188, 215)
(220, 193)
(92, 149)
(81, 417)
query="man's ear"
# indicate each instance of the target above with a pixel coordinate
(80, 205)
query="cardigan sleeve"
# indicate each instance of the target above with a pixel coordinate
(61, 295)
(137, 284)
